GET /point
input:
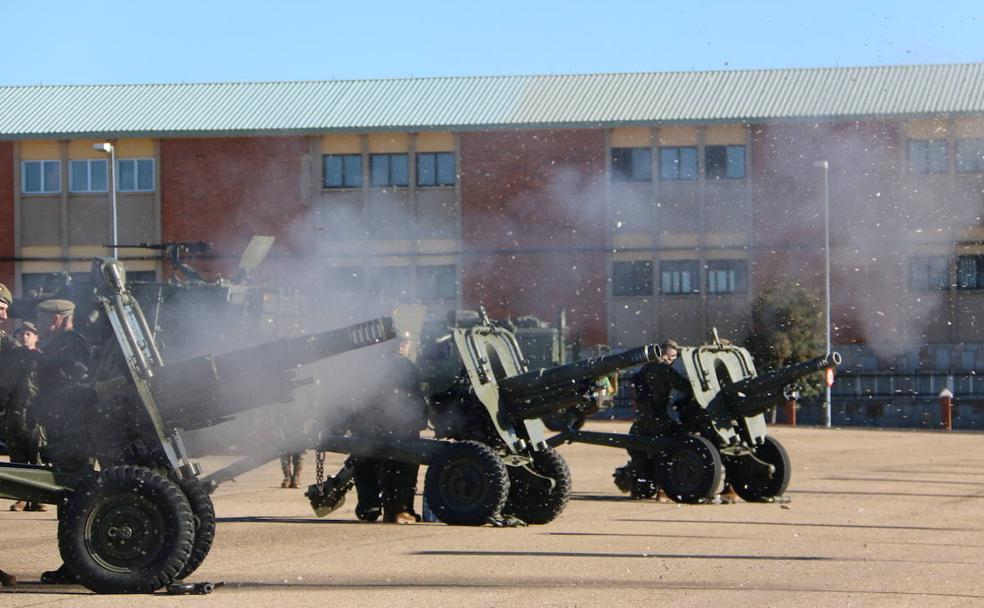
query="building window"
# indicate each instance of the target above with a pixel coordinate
(724, 162)
(437, 283)
(632, 278)
(632, 164)
(342, 170)
(970, 155)
(927, 273)
(88, 176)
(970, 272)
(40, 176)
(388, 170)
(928, 156)
(678, 277)
(391, 284)
(726, 276)
(435, 169)
(678, 163)
(135, 174)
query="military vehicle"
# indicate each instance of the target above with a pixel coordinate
(145, 518)
(723, 420)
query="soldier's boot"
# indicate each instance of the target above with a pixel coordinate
(285, 468)
(20, 505)
(295, 478)
(7, 580)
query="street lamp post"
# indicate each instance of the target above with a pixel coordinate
(111, 149)
(822, 164)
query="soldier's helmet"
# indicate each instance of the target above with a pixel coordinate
(5, 295)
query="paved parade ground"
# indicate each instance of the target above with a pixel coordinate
(876, 518)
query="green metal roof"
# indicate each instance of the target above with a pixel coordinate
(472, 103)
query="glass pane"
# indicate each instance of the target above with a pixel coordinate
(98, 175)
(917, 156)
(688, 163)
(736, 162)
(145, 175)
(938, 160)
(445, 169)
(436, 283)
(352, 174)
(126, 181)
(669, 163)
(78, 176)
(715, 161)
(426, 173)
(333, 171)
(399, 170)
(32, 177)
(52, 176)
(379, 170)
(642, 164)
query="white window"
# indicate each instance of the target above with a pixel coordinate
(88, 175)
(135, 175)
(40, 176)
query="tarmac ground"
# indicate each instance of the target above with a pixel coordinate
(875, 518)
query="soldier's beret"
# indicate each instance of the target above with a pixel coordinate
(57, 307)
(5, 295)
(28, 326)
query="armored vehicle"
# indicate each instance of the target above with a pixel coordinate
(145, 519)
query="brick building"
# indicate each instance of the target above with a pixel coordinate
(648, 205)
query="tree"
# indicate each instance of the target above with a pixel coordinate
(787, 328)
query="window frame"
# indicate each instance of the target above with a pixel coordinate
(72, 163)
(978, 262)
(44, 186)
(626, 166)
(739, 280)
(678, 164)
(729, 151)
(692, 267)
(634, 288)
(389, 182)
(976, 164)
(136, 175)
(922, 263)
(435, 158)
(926, 167)
(348, 182)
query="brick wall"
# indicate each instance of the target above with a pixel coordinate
(7, 212)
(225, 190)
(533, 225)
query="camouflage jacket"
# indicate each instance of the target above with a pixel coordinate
(20, 371)
(653, 384)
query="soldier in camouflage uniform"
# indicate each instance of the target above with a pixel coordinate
(398, 411)
(23, 435)
(6, 343)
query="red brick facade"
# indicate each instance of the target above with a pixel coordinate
(533, 225)
(7, 227)
(225, 190)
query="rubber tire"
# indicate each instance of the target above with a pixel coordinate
(570, 418)
(204, 514)
(140, 499)
(772, 452)
(467, 485)
(691, 472)
(528, 503)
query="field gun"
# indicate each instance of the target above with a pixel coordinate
(145, 519)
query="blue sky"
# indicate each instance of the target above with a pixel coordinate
(137, 41)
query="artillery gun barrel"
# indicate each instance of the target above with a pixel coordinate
(193, 393)
(540, 392)
(753, 396)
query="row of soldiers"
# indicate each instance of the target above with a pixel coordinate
(38, 364)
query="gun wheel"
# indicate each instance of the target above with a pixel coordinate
(129, 530)
(467, 484)
(692, 471)
(531, 498)
(749, 482)
(204, 516)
